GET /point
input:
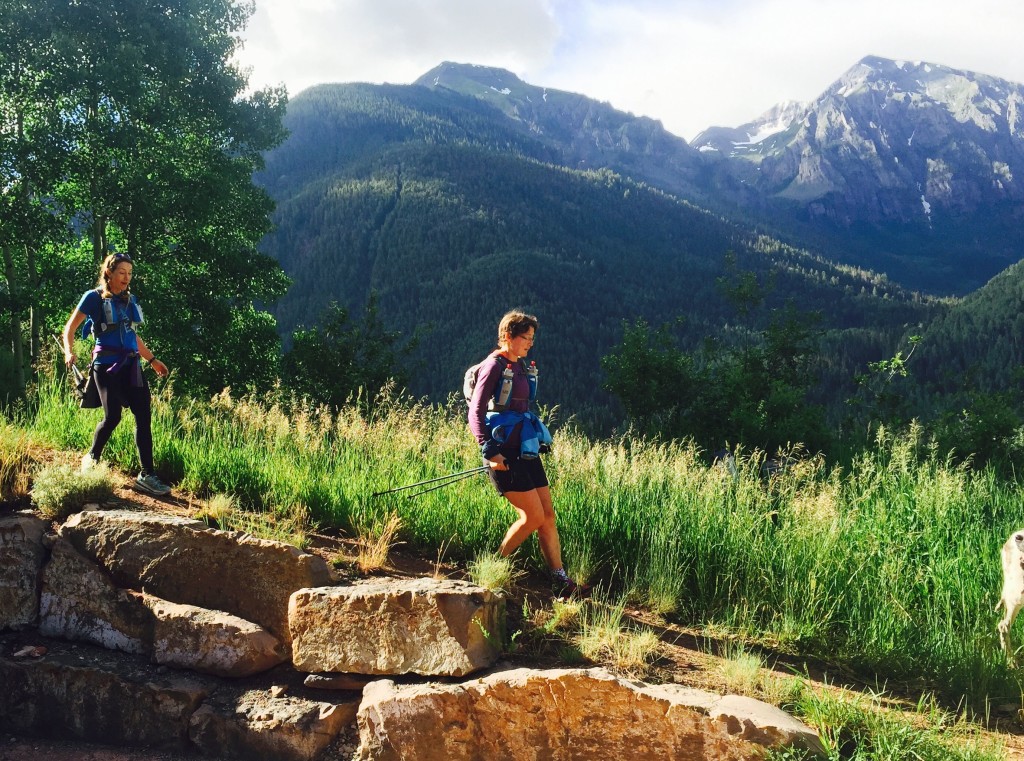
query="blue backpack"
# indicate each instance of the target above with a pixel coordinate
(108, 320)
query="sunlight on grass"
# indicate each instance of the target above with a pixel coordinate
(562, 616)
(740, 670)
(14, 461)
(746, 673)
(375, 542)
(860, 565)
(289, 525)
(218, 511)
(60, 490)
(492, 571)
(604, 637)
(857, 726)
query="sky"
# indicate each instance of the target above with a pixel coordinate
(691, 64)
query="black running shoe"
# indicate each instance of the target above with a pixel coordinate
(564, 589)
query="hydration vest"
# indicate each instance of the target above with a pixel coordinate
(504, 390)
(108, 317)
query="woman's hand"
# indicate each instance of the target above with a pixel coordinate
(498, 462)
(68, 337)
(159, 367)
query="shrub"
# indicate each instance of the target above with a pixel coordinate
(59, 490)
(14, 461)
(491, 571)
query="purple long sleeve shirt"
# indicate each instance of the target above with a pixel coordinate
(487, 382)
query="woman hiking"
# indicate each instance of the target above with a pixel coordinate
(116, 373)
(511, 438)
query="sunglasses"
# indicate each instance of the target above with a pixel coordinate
(118, 258)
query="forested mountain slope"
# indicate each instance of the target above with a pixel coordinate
(979, 343)
(453, 214)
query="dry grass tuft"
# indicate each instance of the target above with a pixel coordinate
(375, 543)
(605, 638)
(218, 511)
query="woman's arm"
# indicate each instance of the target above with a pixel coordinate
(76, 319)
(158, 367)
(486, 384)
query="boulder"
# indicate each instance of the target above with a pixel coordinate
(256, 725)
(570, 714)
(211, 641)
(22, 555)
(79, 692)
(184, 561)
(762, 723)
(397, 626)
(79, 602)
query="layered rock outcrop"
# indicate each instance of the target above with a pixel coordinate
(103, 639)
(21, 564)
(184, 561)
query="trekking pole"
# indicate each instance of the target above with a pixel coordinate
(80, 381)
(456, 477)
(450, 478)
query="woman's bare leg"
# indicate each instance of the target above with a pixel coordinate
(536, 513)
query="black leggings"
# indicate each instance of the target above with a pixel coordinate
(117, 392)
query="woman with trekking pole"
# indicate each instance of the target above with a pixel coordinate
(111, 314)
(511, 439)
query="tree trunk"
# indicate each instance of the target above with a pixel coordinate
(17, 346)
(36, 315)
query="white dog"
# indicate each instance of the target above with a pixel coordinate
(1012, 598)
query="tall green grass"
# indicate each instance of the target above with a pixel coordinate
(890, 566)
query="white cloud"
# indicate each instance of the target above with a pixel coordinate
(306, 42)
(690, 63)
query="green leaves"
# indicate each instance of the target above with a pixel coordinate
(125, 123)
(754, 394)
(340, 360)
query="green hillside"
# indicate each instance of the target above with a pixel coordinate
(979, 343)
(453, 214)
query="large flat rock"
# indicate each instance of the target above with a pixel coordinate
(397, 626)
(563, 715)
(183, 561)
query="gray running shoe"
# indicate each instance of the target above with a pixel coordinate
(152, 485)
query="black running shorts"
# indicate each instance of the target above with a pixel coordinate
(522, 475)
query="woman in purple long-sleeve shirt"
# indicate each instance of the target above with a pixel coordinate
(520, 480)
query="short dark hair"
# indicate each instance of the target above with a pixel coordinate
(515, 323)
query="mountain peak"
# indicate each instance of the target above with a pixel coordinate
(461, 76)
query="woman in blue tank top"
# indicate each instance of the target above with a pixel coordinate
(116, 377)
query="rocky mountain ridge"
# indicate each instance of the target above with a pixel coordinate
(910, 168)
(896, 140)
(589, 134)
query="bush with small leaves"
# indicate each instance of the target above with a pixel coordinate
(60, 490)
